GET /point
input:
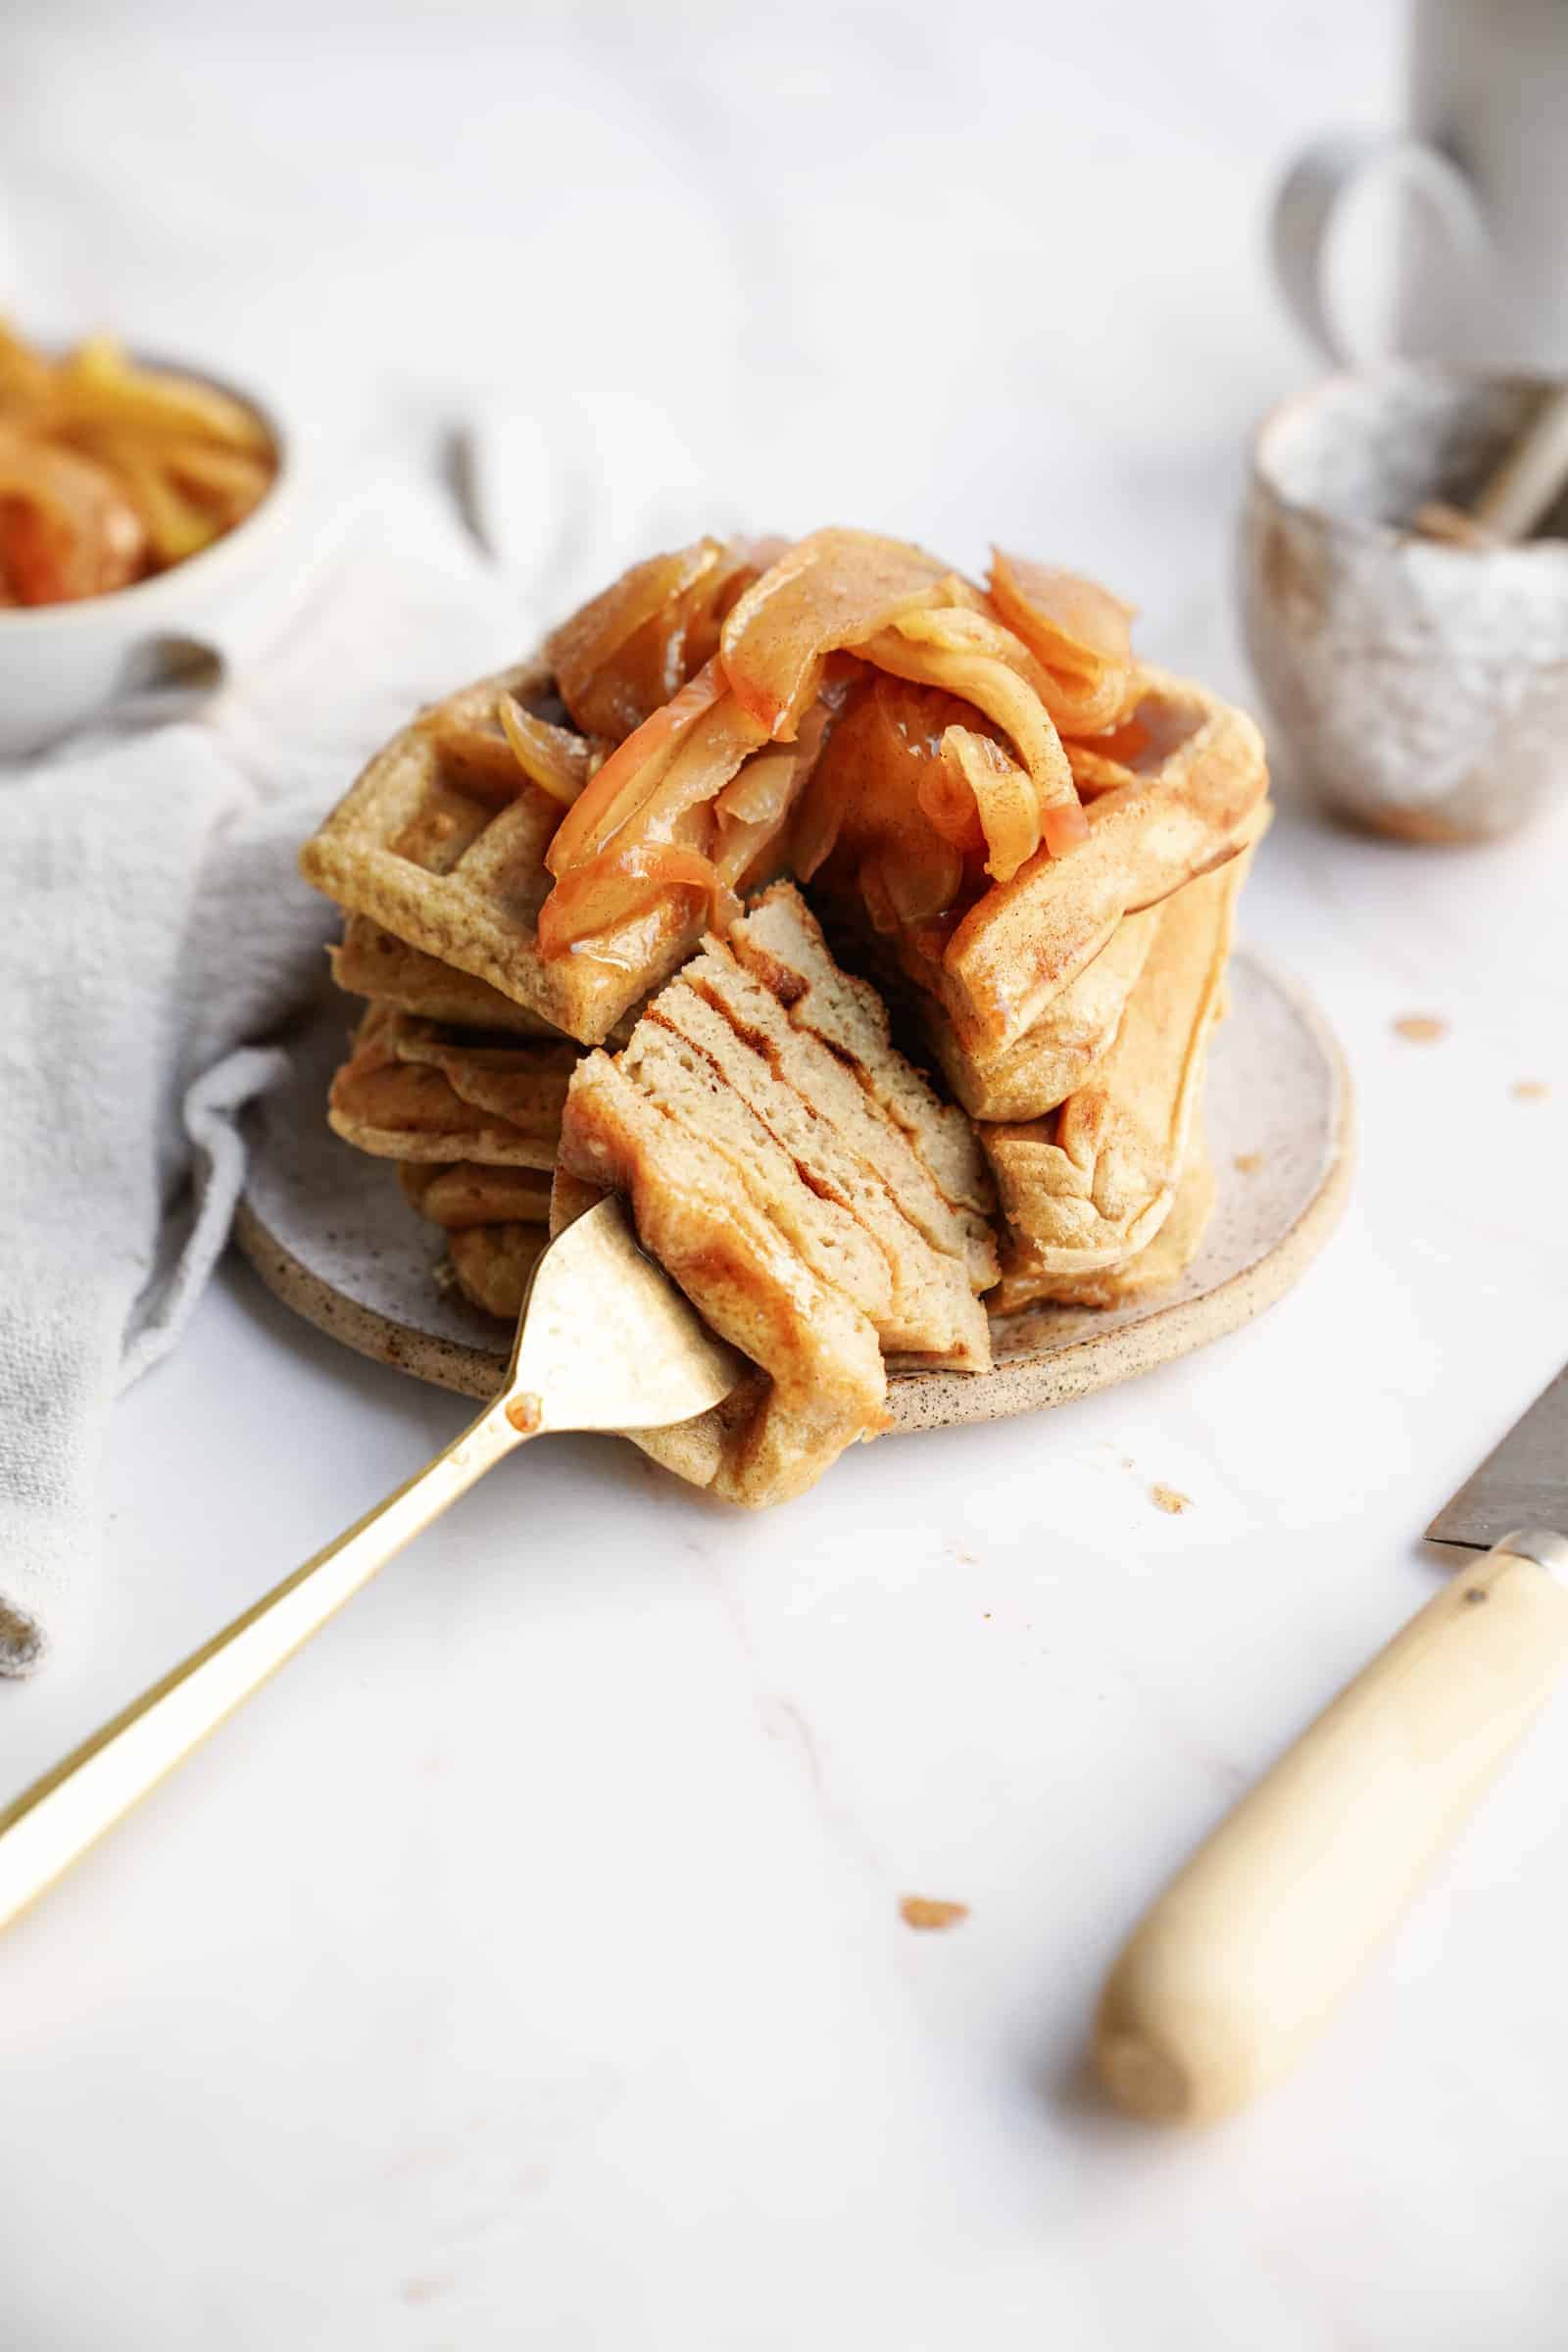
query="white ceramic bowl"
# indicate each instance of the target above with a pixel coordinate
(61, 665)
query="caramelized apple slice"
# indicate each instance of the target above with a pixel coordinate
(968, 655)
(714, 597)
(1067, 623)
(658, 659)
(866, 791)
(226, 483)
(552, 758)
(922, 878)
(66, 531)
(176, 524)
(949, 803)
(754, 811)
(1075, 705)
(99, 388)
(1077, 635)
(867, 804)
(644, 599)
(708, 756)
(763, 790)
(835, 588)
(479, 751)
(622, 884)
(631, 775)
(748, 827)
(1005, 798)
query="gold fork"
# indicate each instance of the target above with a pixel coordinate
(604, 1341)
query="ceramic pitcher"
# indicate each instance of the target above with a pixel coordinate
(1481, 276)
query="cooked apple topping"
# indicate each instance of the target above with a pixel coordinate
(846, 704)
(109, 470)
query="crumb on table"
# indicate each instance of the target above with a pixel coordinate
(1248, 1163)
(1421, 1028)
(931, 1911)
(1530, 1090)
(1170, 1498)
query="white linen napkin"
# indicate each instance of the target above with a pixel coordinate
(156, 938)
(156, 935)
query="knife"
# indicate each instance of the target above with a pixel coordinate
(1224, 1982)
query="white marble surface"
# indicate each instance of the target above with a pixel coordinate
(526, 1965)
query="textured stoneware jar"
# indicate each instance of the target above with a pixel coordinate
(1418, 687)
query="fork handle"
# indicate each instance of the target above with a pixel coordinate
(62, 1814)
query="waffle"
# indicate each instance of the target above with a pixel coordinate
(1193, 803)
(413, 1090)
(797, 1212)
(1054, 1057)
(1087, 1188)
(369, 962)
(491, 1265)
(434, 850)
(1165, 1259)
(456, 1194)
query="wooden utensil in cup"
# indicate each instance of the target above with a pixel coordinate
(604, 1341)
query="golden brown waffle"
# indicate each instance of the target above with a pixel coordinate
(773, 1180)
(413, 1090)
(1055, 1057)
(1089, 1186)
(465, 1192)
(1166, 1257)
(431, 849)
(1197, 789)
(370, 963)
(491, 1265)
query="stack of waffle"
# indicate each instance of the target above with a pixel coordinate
(470, 1115)
(458, 1066)
(1033, 844)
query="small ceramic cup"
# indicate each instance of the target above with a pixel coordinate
(63, 664)
(1418, 687)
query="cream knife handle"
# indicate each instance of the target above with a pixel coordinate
(61, 1815)
(1225, 1979)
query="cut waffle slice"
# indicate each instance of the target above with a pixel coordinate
(369, 962)
(791, 1207)
(412, 1090)
(447, 854)
(825, 1383)
(1191, 804)
(781, 945)
(1088, 1188)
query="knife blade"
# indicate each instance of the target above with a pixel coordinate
(1224, 1982)
(1522, 1483)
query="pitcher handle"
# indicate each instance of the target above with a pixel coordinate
(1309, 201)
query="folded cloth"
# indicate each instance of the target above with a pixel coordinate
(156, 939)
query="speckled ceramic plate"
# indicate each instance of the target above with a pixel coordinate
(329, 1231)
